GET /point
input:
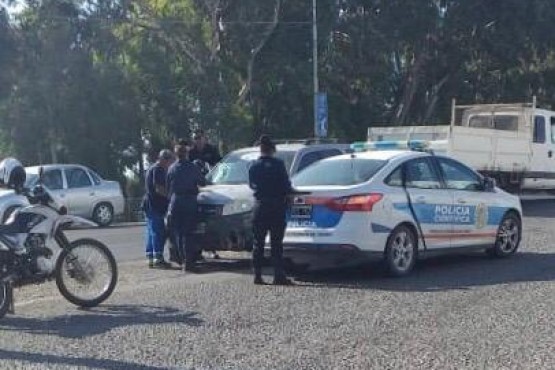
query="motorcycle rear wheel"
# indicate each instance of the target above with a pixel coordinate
(76, 273)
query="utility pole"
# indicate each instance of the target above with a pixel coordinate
(315, 66)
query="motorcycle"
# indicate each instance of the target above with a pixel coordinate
(85, 270)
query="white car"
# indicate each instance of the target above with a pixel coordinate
(77, 187)
(396, 205)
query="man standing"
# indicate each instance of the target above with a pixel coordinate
(270, 182)
(202, 150)
(155, 205)
(207, 154)
(184, 179)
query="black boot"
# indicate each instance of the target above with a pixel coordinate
(258, 280)
(282, 280)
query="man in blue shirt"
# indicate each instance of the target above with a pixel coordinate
(155, 205)
(270, 182)
(183, 181)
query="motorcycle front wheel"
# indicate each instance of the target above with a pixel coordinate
(86, 273)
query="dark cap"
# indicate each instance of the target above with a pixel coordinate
(266, 142)
(165, 154)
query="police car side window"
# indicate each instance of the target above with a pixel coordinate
(395, 178)
(458, 176)
(421, 175)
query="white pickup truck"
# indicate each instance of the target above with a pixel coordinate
(513, 143)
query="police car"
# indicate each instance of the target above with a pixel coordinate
(396, 201)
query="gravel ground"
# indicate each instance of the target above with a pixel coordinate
(457, 312)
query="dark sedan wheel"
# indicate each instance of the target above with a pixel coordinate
(103, 214)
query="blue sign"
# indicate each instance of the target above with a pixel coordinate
(321, 128)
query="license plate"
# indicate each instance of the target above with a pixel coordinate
(303, 211)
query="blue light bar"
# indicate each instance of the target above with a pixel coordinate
(390, 145)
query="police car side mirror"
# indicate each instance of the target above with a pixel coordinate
(488, 184)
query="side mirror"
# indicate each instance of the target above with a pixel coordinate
(489, 184)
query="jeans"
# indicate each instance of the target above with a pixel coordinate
(156, 235)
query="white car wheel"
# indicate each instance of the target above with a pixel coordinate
(103, 214)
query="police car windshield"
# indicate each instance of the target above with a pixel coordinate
(339, 171)
(234, 168)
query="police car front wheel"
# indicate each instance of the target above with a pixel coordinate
(508, 236)
(401, 251)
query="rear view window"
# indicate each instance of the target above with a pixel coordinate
(344, 171)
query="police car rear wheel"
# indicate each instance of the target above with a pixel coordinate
(401, 251)
(508, 236)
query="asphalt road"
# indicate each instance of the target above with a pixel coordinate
(456, 312)
(127, 241)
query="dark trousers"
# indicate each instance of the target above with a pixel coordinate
(183, 220)
(269, 216)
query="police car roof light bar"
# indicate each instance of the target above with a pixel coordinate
(416, 145)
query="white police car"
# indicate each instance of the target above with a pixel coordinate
(396, 204)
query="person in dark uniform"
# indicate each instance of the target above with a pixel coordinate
(155, 205)
(184, 179)
(270, 182)
(203, 151)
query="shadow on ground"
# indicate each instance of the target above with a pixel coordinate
(88, 362)
(99, 320)
(442, 273)
(540, 208)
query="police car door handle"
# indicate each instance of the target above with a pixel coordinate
(420, 199)
(461, 201)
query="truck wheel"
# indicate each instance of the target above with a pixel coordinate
(508, 236)
(401, 251)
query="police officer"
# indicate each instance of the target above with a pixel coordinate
(270, 182)
(155, 205)
(203, 151)
(184, 179)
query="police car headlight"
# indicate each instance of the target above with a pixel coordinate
(235, 207)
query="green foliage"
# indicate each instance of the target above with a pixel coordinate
(80, 79)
